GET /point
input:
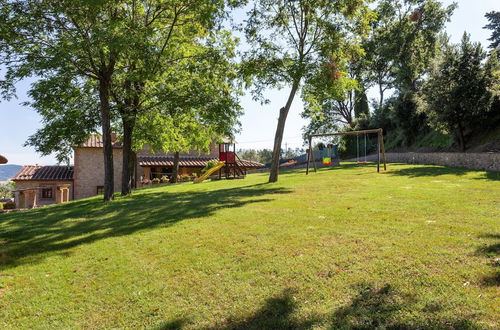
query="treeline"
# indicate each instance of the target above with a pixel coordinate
(265, 156)
(440, 94)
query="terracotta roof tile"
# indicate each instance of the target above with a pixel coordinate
(37, 172)
(187, 161)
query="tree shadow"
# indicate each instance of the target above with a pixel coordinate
(384, 308)
(175, 324)
(430, 171)
(277, 313)
(370, 308)
(57, 228)
(491, 251)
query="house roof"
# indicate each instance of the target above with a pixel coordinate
(188, 161)
(37, 172)
(3, 160)
(96, 141)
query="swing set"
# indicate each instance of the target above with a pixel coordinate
(380, 146)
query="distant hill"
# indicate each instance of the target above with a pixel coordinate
(8, 171)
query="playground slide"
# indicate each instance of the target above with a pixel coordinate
(209, 172)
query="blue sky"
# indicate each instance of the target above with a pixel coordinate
(17, 122)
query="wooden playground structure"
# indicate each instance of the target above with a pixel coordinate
(380, 145)
(227, 155)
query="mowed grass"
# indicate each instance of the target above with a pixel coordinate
(414, 247)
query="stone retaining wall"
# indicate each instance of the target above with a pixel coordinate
(485, 161)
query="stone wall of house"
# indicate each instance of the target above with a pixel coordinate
(485, 161)
(41, 184)
(89, 171)
(144, 172)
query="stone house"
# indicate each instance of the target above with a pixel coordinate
(44, 185)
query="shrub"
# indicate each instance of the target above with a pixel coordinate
(156, 180)
(9, 206)
(210, 164)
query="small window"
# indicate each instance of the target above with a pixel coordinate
(100, 190)
(47, 193)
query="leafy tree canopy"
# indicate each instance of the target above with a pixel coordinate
(461, 89)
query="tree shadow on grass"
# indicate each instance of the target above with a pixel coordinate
(491, 250)
(430, 171)
(370, 308)
(61, 227)
(385, 308)
(276, 313)
(175, 324)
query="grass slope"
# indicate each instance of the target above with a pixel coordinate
(417, 246)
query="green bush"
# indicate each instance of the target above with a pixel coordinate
(9, 206)
(210, 164)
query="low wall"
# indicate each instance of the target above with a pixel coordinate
(485, 161)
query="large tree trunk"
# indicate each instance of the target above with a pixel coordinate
(109, 183)
(278, 138)
(461, 137)
(128, 156)
(175, 170)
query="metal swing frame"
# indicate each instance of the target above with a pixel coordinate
(380, 146)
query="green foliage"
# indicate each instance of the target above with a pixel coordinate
(400, 50)
(290, 153)
(210, 164)
(461, 90)
(396, 54)
(70, 111)
(494, 25)
(435, 139)
(288, 38)
(6, 189)
(263, 156)
(196, 101)
(9, 206)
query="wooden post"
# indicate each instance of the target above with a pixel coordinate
(314, 160)
(308, 155)
(383, 148)
(378, 152)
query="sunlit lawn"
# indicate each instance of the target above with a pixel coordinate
(417, 246)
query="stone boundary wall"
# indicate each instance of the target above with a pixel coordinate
(485, 161)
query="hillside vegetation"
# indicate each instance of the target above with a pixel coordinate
(416, 246)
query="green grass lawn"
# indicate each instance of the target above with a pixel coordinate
(415, 247)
